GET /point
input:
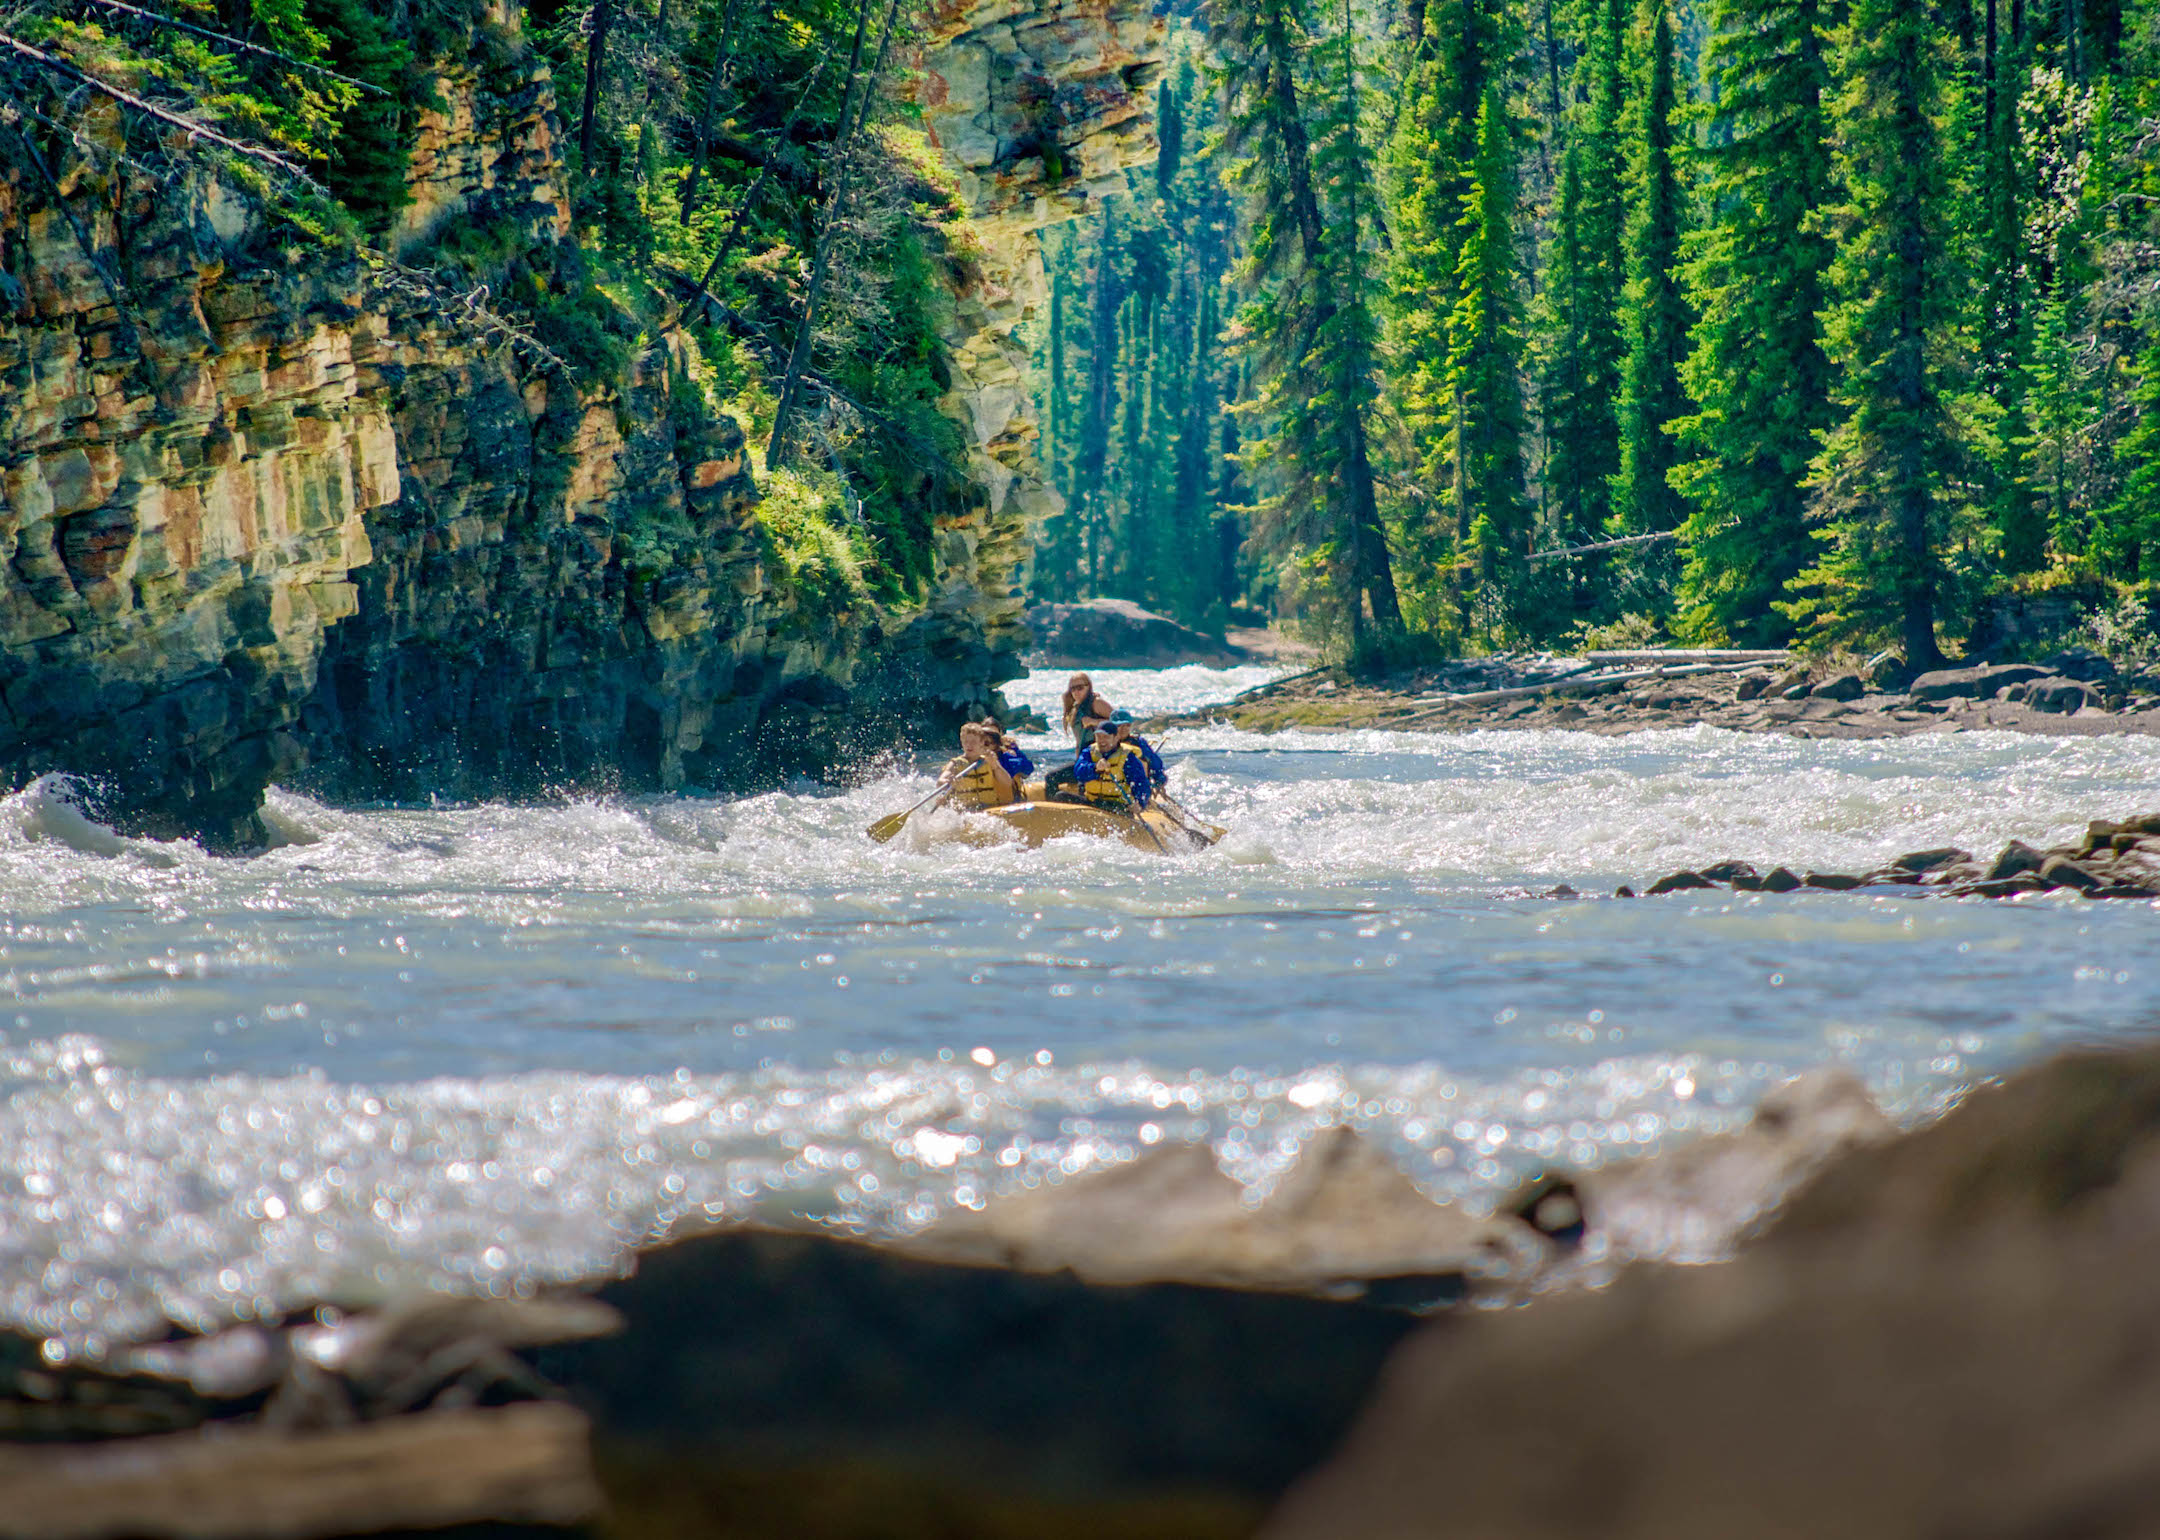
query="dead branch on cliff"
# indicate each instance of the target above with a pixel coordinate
(195, 129)
(466, 305)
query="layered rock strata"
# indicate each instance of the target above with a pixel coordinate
(190, 456)
(274, 519)
(1039, 106)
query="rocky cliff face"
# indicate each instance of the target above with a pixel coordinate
(1039, 106)
(268, 519)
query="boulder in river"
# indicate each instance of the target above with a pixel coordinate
(1116, 633)
(1979, 682)
(2061, 695)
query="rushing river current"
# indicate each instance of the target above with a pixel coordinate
(493, 1046)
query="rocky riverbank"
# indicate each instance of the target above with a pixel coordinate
(2113, 860)
(1913, 1333)
(2074, 694)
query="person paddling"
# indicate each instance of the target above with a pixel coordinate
(977, 778)
(1111, 774)
(1129, 733)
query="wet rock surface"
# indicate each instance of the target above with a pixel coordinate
(2113, 860)
(1695, 1203)
(1344, 1221)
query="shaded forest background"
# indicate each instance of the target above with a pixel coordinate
(1494, 323)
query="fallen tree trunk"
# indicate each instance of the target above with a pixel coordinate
(1570, 684)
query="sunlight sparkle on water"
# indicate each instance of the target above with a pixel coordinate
(490, 1047)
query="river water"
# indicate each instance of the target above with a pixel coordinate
(487, 1047)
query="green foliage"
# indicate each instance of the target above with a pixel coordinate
(372, 146)
(1889, 483)
(809, 543)
(1628, 633)
(1584, 282)
(1293, 127)
(1654, 314)
(1757, 369)
(2127, 634)
(1861, 299)
(587, 329)
(1484, 441)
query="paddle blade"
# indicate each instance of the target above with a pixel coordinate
(892, 823)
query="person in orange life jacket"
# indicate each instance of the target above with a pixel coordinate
(988, 783)
(1127, 733)
(1106, 765)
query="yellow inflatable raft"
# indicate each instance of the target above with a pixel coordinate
(1037, 823)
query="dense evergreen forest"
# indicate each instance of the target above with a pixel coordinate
(1512, 322)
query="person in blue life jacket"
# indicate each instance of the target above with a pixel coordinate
(1010, 754)
(1128, 733)
(1110, 773)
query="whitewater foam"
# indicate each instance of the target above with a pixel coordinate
(490, 1047)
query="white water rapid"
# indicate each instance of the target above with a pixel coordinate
(489, 1047)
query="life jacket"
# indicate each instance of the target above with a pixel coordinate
(1120, 763)
(974, 788)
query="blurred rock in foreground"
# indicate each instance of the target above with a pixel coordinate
(1952, 1333)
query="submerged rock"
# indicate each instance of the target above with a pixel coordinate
(2113, 860)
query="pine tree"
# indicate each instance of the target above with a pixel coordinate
(1485, 437)
(2007, 295)
(2061, 408)
(1310, 327)
(1886, 483)
(2127, 184)
(1654, 317)
(1456, 52)
(1757, 277)
(1580, 379)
